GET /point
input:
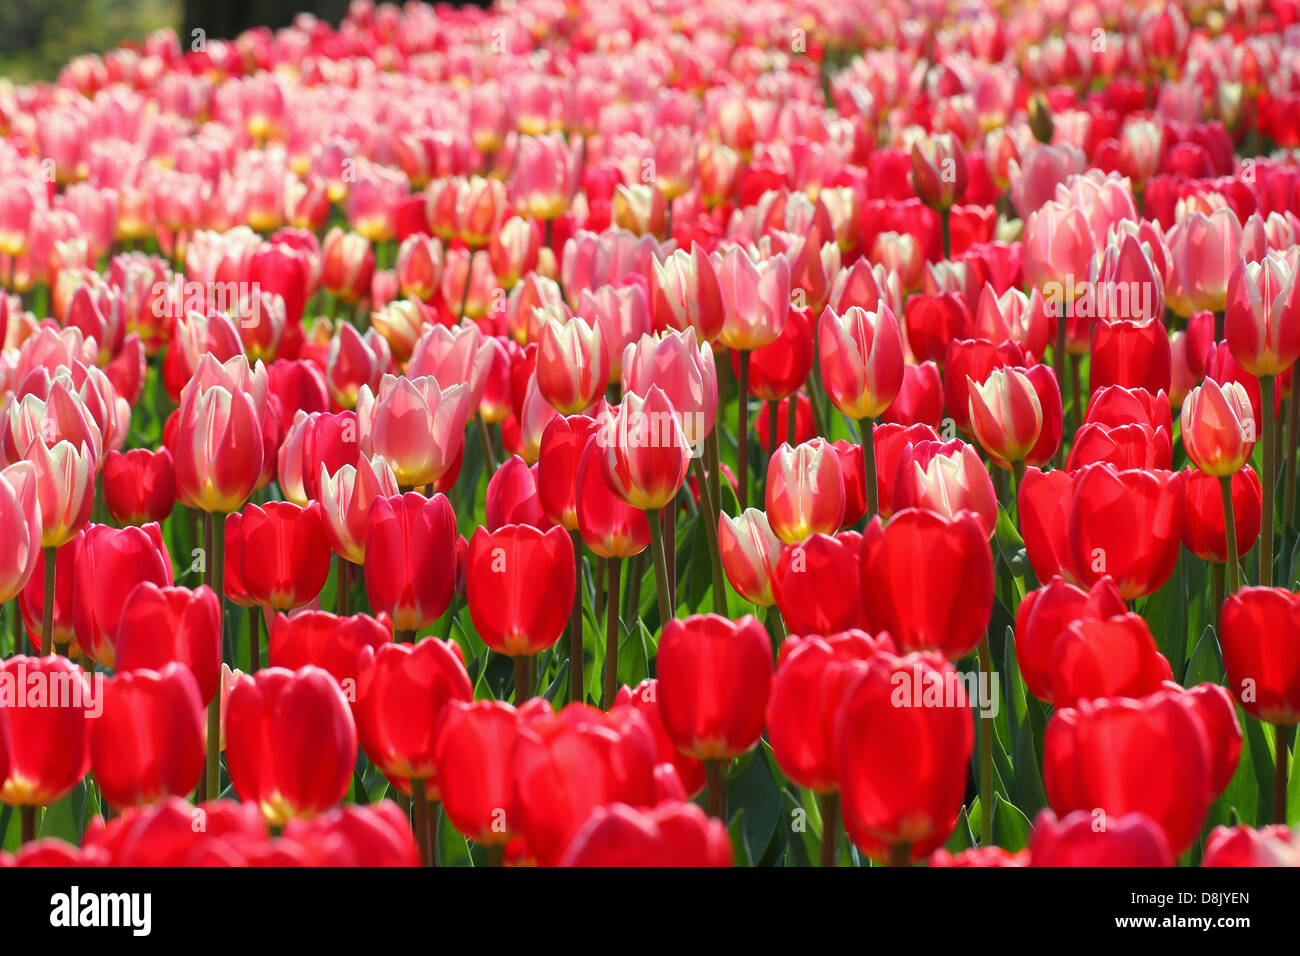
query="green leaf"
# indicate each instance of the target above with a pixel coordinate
(1206, 664)
(1010, 826)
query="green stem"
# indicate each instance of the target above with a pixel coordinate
(27, 816)
(343, 583)
(420, 801)
(945, 222)
(1058, 361)
(792, 419)
(1217, 572)
(670, 550)
(47, 609)
(716, 791)
(867, 431)
(1229, 533)
(710, 518)
(900, 854)
(611, 633)
(773, 420)
(986, 748)
(829, 803)
(1289, 466)
(216, 528)
(660, 565)
(485, 438)
(1266, 385)
(254, 639)
(522, 684)
(576, 662)
(1280, 735)
(742, 430)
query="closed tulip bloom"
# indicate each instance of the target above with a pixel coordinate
(974, 359)
(472, 759)
(1058, 247)
(419, 266)
(920, 399)
(1262, 322)
(418, 427)
(218, 449)
(147, 742)
(291, 744)
(547, 173)
(313, 442)
(805, 586)
(1131, 839)
(512, 496)
(609, 527)
(139, 485)
(685, 293)
(563, 442)
(1127, 524)
(354, 361)
(1005, 414)
(1218, 427)
(1260, 653)
(811, 678)
(671, 834)
(162, 625)
(563, 766)
(778, 370)
(572, 364)
(20, 525)
(375, 835)
(1135, 355)
(684, 370)
(1203, 524)
(411, 558)
(109, 565)
(939, 172)
(1214, 705)
(1110, 657)
(1211, 250)
(890, 441)
(461, 353)
(932, 321)
(327, 641)
(805, 491)
(946, 478)
(285, 558)
(1274, 845)
(861, 360)
(646, 453)
(644, 699)
(49, 745)
(756, 299)
(1121, 755)
(908, 795)
(1046, 614)
(402, 693)
(1043, 503)
(1135, 445)
(345, 500)
(512, 615)
(750, 552)
(64, 477)
(714, 675)
(908, 567)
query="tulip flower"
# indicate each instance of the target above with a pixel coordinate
(1046, 614)
(1218, 427)
(684, 370)
(685, 293)
(714, 676)
(946, 478)
(410, 559)
(327, 641)
(512, 496)
(162, 625)
(919, 400)
(939, 173)
(805, 491)
(750, 552)
(1005, 414)
(613, 755)
(20, 519)
(547, 172)
(49, 744)
(109, 564)
(899, 804)
(973, 359)
(218, 451)
(139, 485)
(805, 589)
(1203, 524)
(1262, 321)
(572, 364)
(563, 442)
(610, 528)
(285, 555)
(1242, 846)
(1123, 755)
(345, 501)
(1210, 250)
(147, 742)
(1130, 355)
(291, 744)
(1130, 839)
(1105, 657)
(644, 699)
(906, 573)
(418, 427)
(472, 760)
(354, 361)
(672, 834)
(64, 478)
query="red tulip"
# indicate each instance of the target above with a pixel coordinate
(646, 452)
(1214, 705)
(933, 321)
(572, 363)
(890, 440)
(329, 642)
(565, 765)
(973, 359)
(291, 744)
(804, 429)
(714, 676)
(894, 794)
(861, 359)
(1218, 427)
(139, 485)
(402, 693)
(512, 496)
(1130, 355)
(109, 564)
(46, 701)
(908, 567)
(807, 584)
(161, 625)
(920, 399)
(1046, 614)
(411, 558)
(672, 834)
(750, 553)
(1262, 320)
(1260, 653)
(219, 445)
(1120, 755)
(1091, 838)
(811, 679)
(805, 491)
(610, 528)
(472, 759)
(1241, 846)
(374, 835)
(1105, 657)
(778, 370)
(946, 478)
(512, 615)
(1203, 525)
(1132, 445)
(286, 557)
(562, 445)
(644, 698)
(164, 834)
(1005, 414)
(989, 856)
(148, 740)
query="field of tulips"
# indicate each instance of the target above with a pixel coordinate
(659, 433)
